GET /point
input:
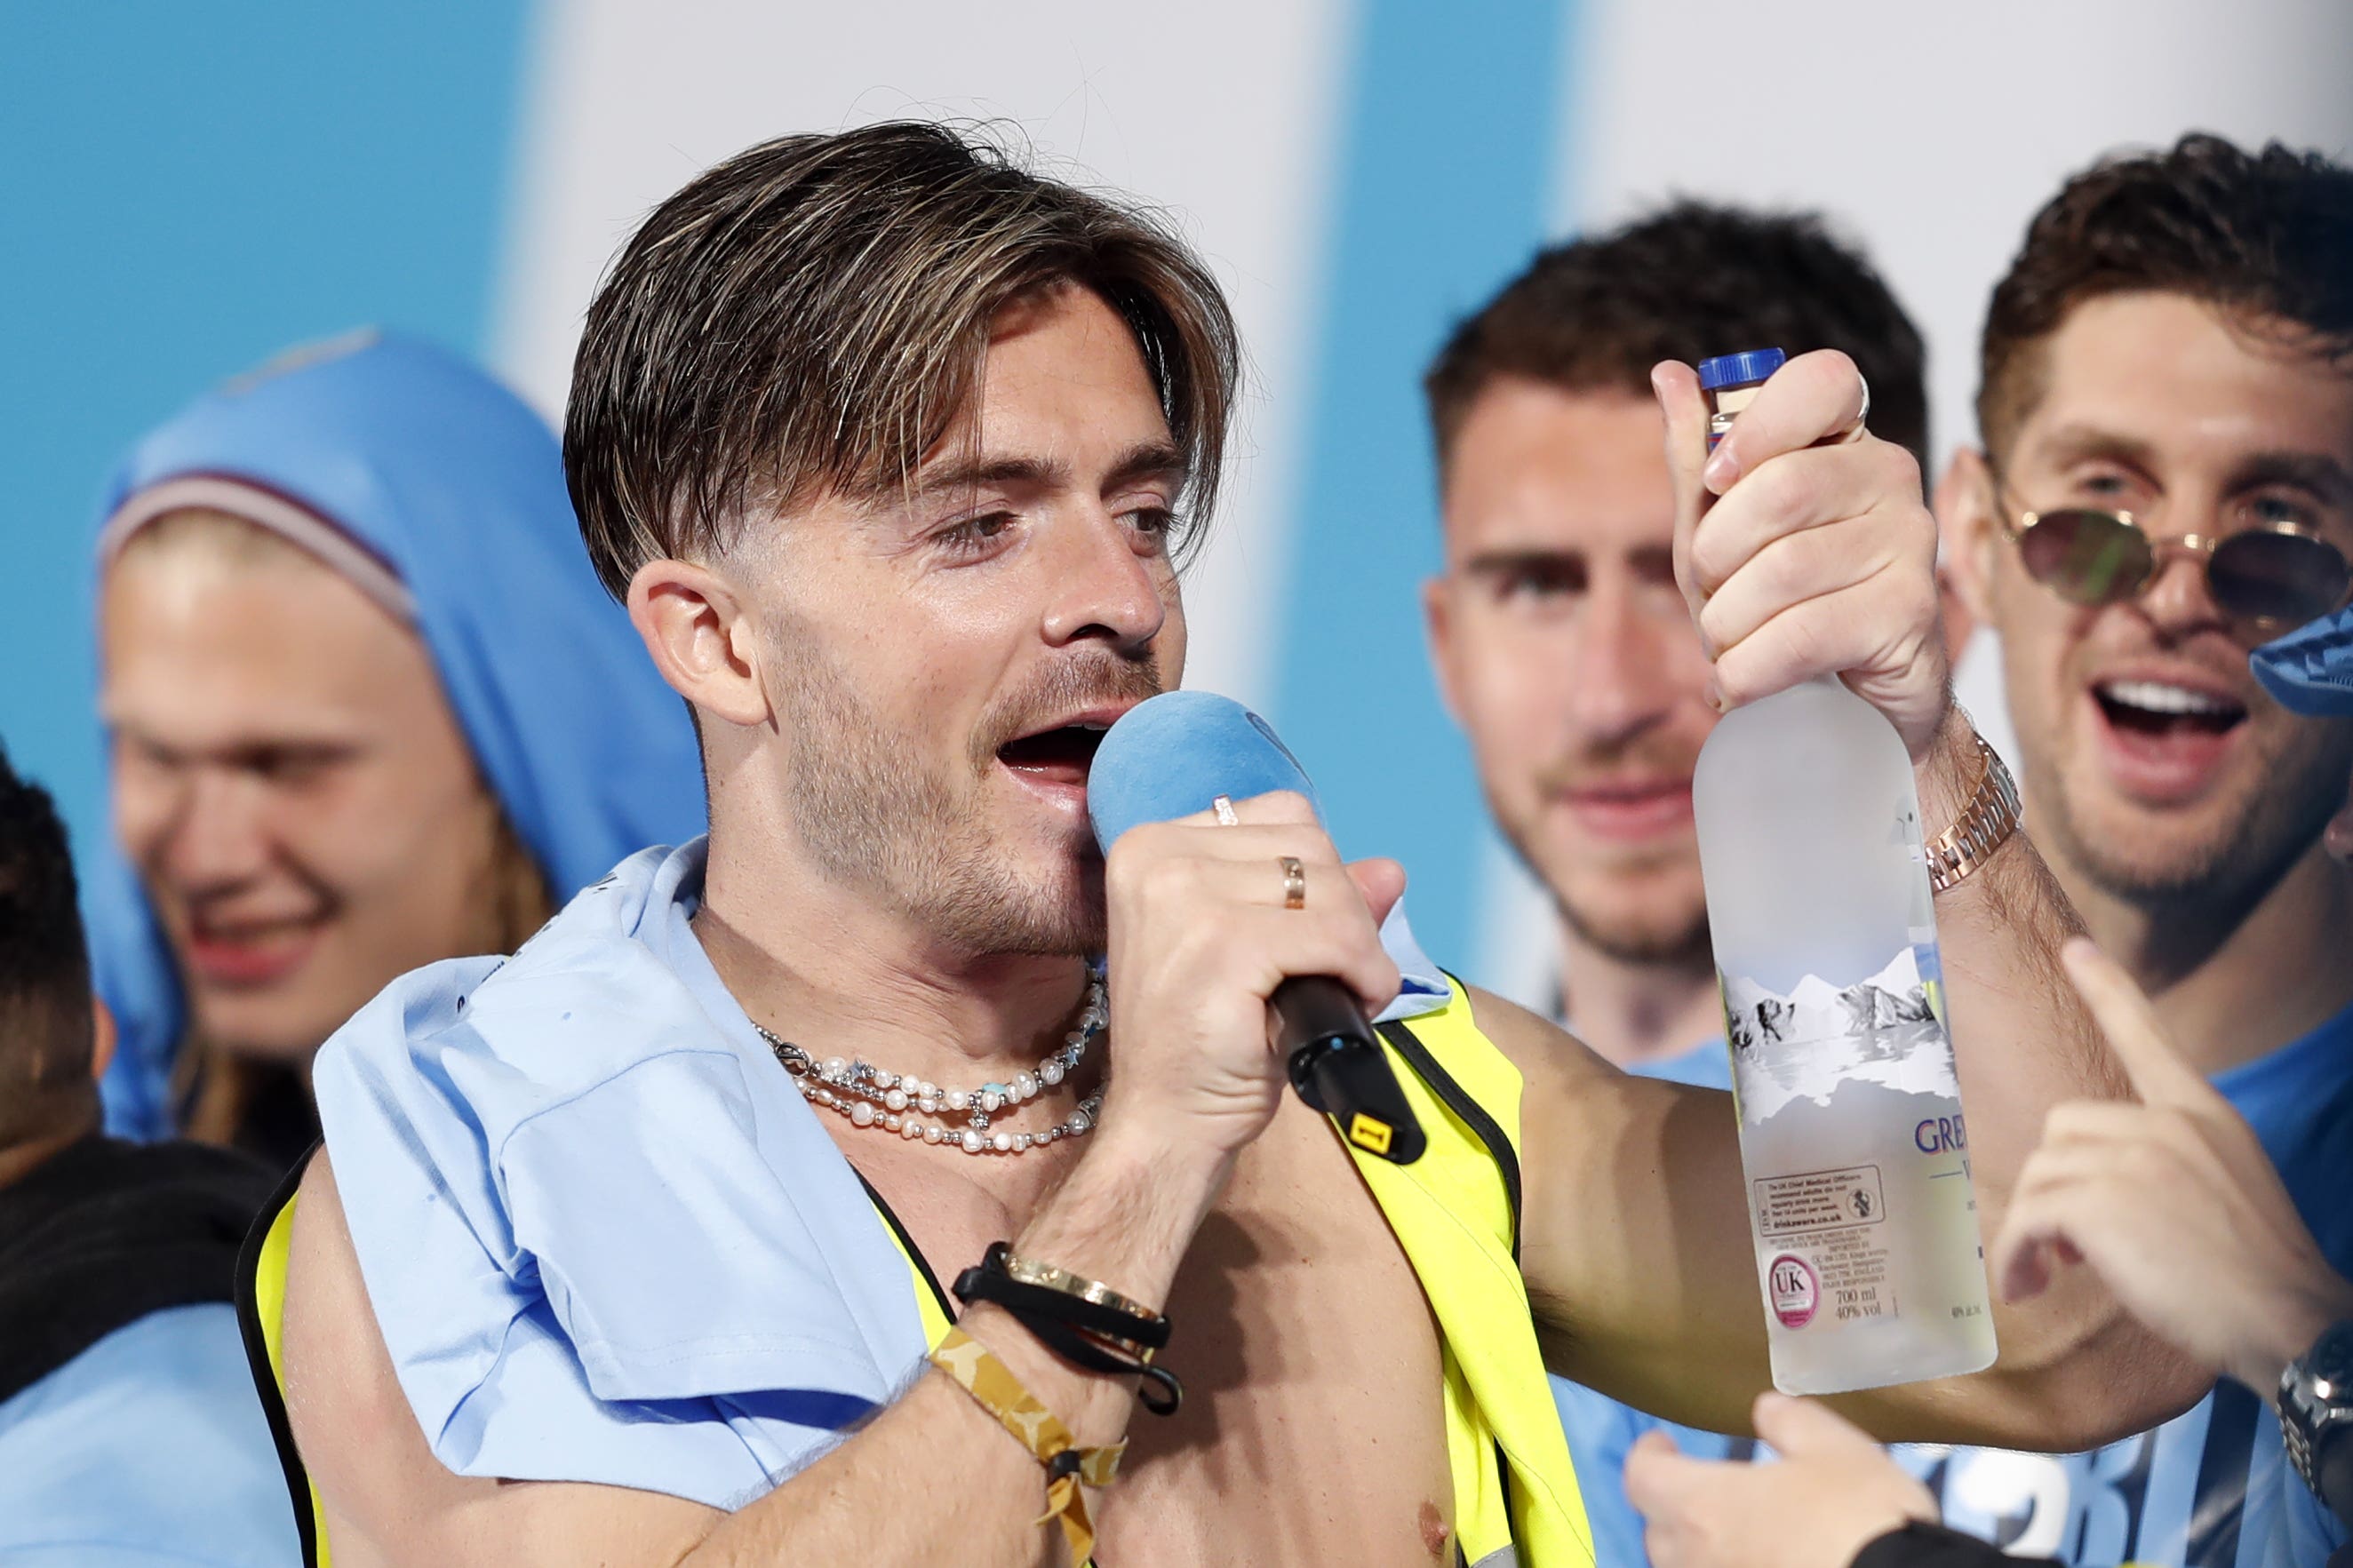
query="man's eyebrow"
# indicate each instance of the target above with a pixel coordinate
(973, 474)
(1496, 563)
(2074, 443)
(1145, 460)
(1148, 460)
(2315, 471)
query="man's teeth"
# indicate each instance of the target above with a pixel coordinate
(2157, 697)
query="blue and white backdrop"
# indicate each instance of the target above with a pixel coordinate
(189, 188)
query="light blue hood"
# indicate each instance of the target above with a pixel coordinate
(459, 487)
(2310, 670)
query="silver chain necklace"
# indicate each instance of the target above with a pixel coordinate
(874, 1096)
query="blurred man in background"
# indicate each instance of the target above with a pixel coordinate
(368, 708)
(128, 1429)
(1567, 651)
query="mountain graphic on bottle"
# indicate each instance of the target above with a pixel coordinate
(1884, 1030)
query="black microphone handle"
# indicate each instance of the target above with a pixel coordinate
(1339, 1069)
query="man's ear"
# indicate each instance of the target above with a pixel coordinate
(1970, 532)
(1438, 624)
(103, 1037)
(701, 638)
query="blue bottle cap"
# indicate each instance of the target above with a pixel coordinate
(1740, 369)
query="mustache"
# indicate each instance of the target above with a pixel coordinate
(1646, 756)
(1088, 680)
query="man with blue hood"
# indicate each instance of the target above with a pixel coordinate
(367, 708)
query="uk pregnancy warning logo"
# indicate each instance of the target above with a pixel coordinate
(1795, 1292)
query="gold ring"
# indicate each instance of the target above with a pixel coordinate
(1224, 806)
(1295, 883)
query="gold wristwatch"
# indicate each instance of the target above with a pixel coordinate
(1984, 826)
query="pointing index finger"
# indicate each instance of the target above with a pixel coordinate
(2150, 1059)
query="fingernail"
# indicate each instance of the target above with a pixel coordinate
(1659, 380)
(1716, 693)
(1721, 470)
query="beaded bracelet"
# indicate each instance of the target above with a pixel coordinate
(991, 1382)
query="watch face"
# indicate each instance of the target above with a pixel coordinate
(2332, 1360)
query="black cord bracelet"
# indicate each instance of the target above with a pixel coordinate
(1075, 1328)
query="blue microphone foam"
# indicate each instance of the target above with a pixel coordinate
(1173, 755)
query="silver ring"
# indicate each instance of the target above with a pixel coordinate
(1224, 806)
(1294, 882)
(1863, 415)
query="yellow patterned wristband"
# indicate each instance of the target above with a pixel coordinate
(992, 1383)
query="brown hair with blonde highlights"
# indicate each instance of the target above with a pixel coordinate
(811, 316)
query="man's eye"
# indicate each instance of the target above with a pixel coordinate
(1538, 583)
(2272, 511)
(977, 534)
(293, 767)
(1163, 526)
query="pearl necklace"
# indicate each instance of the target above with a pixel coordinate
(871, 1096)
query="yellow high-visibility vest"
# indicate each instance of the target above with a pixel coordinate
(1455, 1213)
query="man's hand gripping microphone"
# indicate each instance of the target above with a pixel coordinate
(1174, 756)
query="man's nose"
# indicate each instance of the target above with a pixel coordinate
(1106, 586)
(1622, 678)
(218, 839)
(2179, 600)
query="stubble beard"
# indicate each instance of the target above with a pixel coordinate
(1676, 941)
(2217, 881)
(873, 817)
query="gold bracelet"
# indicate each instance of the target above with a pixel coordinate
(992, 1383)
(1048, 1276)
(1985, 825)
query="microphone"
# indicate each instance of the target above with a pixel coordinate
(1173, 756)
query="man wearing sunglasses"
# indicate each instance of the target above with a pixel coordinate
(2166, 481)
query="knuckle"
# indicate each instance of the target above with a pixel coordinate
(1832, 370)
(1903, 472)
(1285, 805)
(1786, 489)
(1715, 623)
(1165, 879)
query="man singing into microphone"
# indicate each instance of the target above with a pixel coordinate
(627, 1250)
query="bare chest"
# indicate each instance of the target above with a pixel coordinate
(1313, 1429)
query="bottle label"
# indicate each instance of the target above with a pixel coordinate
(1807, 1046)
(1860, 1075)
(1796, 1292)
(1836, 1216)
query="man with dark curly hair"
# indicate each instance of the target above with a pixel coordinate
(2166, 483)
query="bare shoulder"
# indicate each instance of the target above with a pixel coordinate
(1547, 1056)
(387, 1498)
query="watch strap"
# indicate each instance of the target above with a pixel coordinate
(1985, 825)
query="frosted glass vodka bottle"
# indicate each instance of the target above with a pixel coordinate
(1852, 1137)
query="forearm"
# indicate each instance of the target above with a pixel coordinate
(2075, 1366)
(935, 1466)
(2022, 1039)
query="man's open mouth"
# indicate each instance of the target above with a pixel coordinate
(2157, 710)
(1061, 755)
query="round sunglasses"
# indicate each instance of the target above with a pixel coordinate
(2269, 575)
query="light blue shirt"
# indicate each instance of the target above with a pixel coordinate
(603, 1236)
(148, 1448)
(1600, 1430)
(2210, 1489)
